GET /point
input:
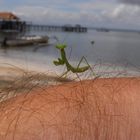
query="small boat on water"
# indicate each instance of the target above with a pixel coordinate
(26, 41)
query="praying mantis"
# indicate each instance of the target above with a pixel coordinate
(63, 60)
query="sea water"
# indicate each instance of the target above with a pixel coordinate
(113, 51)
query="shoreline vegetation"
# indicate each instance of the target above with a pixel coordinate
(44, 107)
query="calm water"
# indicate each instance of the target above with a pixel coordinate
(110, 49)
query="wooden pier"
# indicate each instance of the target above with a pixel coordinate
(65, 28)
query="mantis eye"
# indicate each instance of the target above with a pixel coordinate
(60, 46)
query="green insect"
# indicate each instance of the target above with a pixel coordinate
(63, 60)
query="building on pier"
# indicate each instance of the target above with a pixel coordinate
(10, 26)
(77, 28)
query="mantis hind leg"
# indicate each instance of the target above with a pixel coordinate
(64, 74)
(83, 58)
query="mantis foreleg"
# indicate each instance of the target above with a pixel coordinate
(59, 62)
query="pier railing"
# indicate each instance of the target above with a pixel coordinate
(65, 28)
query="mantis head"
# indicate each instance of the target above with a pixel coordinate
(61, 46)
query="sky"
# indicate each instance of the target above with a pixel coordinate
(93, 13)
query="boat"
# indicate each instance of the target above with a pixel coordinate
(26, 41)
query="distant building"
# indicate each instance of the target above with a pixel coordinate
(8, 16)
(76, 28)
(10, 26)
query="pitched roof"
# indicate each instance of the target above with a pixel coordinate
(8, 16)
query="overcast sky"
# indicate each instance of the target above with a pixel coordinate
(105, 13)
